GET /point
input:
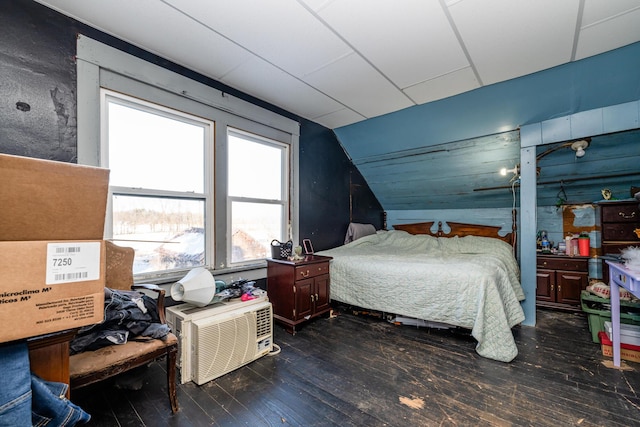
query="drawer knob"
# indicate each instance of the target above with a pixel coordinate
(625, 216)
(305, 273)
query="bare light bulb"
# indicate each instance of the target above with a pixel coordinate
(505, 171)
(579, 147)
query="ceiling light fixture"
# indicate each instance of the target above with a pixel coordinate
(579, 147)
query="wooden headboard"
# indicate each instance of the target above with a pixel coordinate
(459, 229)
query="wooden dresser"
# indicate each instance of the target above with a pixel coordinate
(298, 290)
(618, 220)
(49, 356)
(560, 279)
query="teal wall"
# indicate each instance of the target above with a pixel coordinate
(409, 160)
(607, 79)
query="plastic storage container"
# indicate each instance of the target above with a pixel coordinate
(629, 334)
(599, 311)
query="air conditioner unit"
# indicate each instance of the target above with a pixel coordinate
(219, 338)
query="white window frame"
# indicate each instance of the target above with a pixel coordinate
(284, 191)
(101, 66)
(208, 155)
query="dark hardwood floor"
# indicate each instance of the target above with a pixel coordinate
(362, 371)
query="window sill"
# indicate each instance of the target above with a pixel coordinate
(254, 271)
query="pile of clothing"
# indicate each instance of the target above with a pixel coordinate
(126, 314)
(244, 289)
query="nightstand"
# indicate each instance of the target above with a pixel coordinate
(298, 290)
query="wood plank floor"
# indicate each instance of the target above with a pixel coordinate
(362, 371)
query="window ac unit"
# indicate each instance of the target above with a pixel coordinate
(219, 338)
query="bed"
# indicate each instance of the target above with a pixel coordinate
(467, 277)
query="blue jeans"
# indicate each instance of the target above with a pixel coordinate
(15, 388)
(51, 408)
(26, 400)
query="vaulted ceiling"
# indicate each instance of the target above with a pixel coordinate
(338, 62)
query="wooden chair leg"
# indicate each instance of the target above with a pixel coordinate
(171, 377)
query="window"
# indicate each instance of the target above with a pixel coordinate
(257, 179)
(198, 177)
(157, 160)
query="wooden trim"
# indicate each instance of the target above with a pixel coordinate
(459, 229)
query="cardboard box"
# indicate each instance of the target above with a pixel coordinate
(52, 256)
(627, 351)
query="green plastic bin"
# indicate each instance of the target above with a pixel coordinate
(629, 313)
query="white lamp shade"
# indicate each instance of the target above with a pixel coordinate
(198, 287)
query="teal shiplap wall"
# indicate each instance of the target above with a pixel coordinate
(376, 145)
(609, 121)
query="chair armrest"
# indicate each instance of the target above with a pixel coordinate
(160, 297)
(147, 286)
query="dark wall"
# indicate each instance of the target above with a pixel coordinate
(326, 204)
(38, 113)
(38, 82)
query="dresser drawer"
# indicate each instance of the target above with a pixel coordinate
(621, 213)
(564, 263)
(615, 248)
(311, 270)
(620, 231)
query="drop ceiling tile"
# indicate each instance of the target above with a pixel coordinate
(609, 33)
(264, 81)
(339, 118)
(507, 39)
(444, 86)
(316, 5)
(354, 83)
(598, 10)
(138, 22)
(401, 39)
(283, 33)
(120, 18)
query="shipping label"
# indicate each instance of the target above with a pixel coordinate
(69, 262)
